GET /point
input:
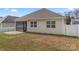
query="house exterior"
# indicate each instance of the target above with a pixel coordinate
(7, 23)
(41, 21)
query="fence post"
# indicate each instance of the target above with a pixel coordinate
(78, 30)
(65, 29)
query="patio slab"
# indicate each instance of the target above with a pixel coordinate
(13, 32)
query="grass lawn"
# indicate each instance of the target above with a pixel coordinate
(37, 42)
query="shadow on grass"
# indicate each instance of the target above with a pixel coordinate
(35, 33)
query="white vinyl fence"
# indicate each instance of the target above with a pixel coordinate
(5, 27)
(71, 30)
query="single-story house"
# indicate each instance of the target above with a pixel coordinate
(41, 21)
(7, 23)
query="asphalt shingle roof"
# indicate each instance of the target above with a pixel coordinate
(8, 19)
(40, 14)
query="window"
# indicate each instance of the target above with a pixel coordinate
(33, 24)
(51, 24)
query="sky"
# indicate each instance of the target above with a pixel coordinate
(24, 11)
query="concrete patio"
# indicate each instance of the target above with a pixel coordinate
(13, 32)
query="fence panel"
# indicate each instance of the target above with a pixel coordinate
(78, 30)
(5, 29)
(71, 30)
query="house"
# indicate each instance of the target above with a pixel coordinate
(7, 23)
(41, 21)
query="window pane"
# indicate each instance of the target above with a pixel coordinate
(48, 22)
(52, 26)
(31, 25)
(48, 26)
(52, 22)
(35, 22)
(31, 22)
(35, 25)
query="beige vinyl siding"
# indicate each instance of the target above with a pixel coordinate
(42, 28)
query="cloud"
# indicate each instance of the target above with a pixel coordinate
(13, 10)
(71, 8)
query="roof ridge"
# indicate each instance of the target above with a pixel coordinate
(41, 13)
(40, 10)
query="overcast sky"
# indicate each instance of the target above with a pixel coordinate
(25, 11)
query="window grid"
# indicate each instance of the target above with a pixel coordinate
(34, 24)
(51, 24)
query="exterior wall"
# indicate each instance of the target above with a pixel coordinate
(7, 27)
(41, 27)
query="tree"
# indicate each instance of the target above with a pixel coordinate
(76, 12)
(68, 18)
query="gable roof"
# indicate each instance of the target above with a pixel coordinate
(8, 19)
(40, 14)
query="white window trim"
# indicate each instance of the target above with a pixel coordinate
(33, 25)
(50, 25)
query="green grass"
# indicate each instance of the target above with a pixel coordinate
(33, 42)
